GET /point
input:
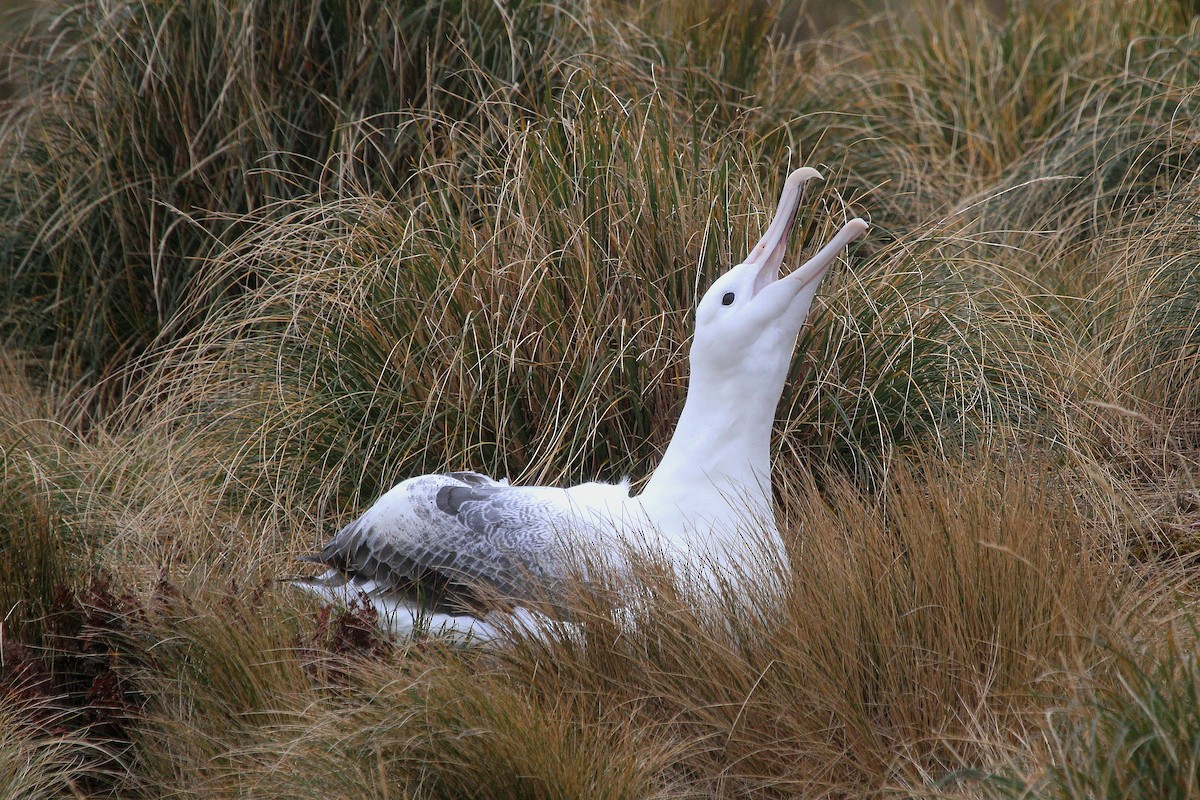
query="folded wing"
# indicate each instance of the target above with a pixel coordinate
(458, 543)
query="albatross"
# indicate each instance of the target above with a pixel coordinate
(435, 552)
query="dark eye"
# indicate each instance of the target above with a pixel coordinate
(727, 300)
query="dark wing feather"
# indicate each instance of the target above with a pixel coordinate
(455, 543)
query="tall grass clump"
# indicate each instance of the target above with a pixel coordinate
(920, 627)
(550, 345)
(35, 563)
(143, 131)
(532, 319)
(74, 497)
(1132, 731)
(928, 343)
(1144, 325)
(41, 555)
(1125, 139)
(458, 729)
(949, 103)
(528, 320)
(241, 704)
(1137, 733)
(37, 763)
(216, 664)
(259, 261)
(1134, 366)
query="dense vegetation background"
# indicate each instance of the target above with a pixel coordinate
(259, 260)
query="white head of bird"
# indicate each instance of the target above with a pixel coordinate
(748, 320)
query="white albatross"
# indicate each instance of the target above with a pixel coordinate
(435, 551)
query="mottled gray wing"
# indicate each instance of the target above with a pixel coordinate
(455, 543)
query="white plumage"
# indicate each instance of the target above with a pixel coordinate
(439, 551)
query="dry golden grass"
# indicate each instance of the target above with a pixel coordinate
(471, 237)
(923, 627)
(37, 763)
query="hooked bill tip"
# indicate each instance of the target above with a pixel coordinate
(857, 226)
(804, 175)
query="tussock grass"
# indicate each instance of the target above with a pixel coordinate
(929, 345)
(36, 564)
(38, 763)
(40, 554)
(918, 629)
(557, 346)
(540, 363)
(244, 705)
(142, 128)
(260, 261)
(921, 627)
(217, 664)
(1137, 733)
(1129, 732)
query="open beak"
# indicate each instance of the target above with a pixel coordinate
(769, 251)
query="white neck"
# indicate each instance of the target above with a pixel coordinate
(722, 441)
